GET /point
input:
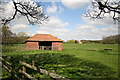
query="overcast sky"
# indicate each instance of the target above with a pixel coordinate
(67, 22)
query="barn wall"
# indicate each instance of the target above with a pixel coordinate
(32, 45)
(57, 46)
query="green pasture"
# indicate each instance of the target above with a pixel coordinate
(75, 61)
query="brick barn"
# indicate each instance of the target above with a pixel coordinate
(44, 42)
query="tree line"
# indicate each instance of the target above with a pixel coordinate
(8, 37)
(113, 39)
(84, 41)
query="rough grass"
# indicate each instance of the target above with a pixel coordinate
(95, 52)
(75, 61)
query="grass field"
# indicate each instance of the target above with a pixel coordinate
(75, 61)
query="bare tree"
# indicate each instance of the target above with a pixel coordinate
(7, 35)
(101, 8)
(113, 39)
(32, 11)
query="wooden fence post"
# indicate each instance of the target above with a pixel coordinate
(24, 69)
(33, 63)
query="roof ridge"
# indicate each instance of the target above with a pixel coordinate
(42, 34)
(54, 37)
(41, 37)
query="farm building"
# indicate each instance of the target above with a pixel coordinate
(44, 42)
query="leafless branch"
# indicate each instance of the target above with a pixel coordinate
(32, 12)
(101, 8)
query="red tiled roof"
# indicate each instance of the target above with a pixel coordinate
(43, 37)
